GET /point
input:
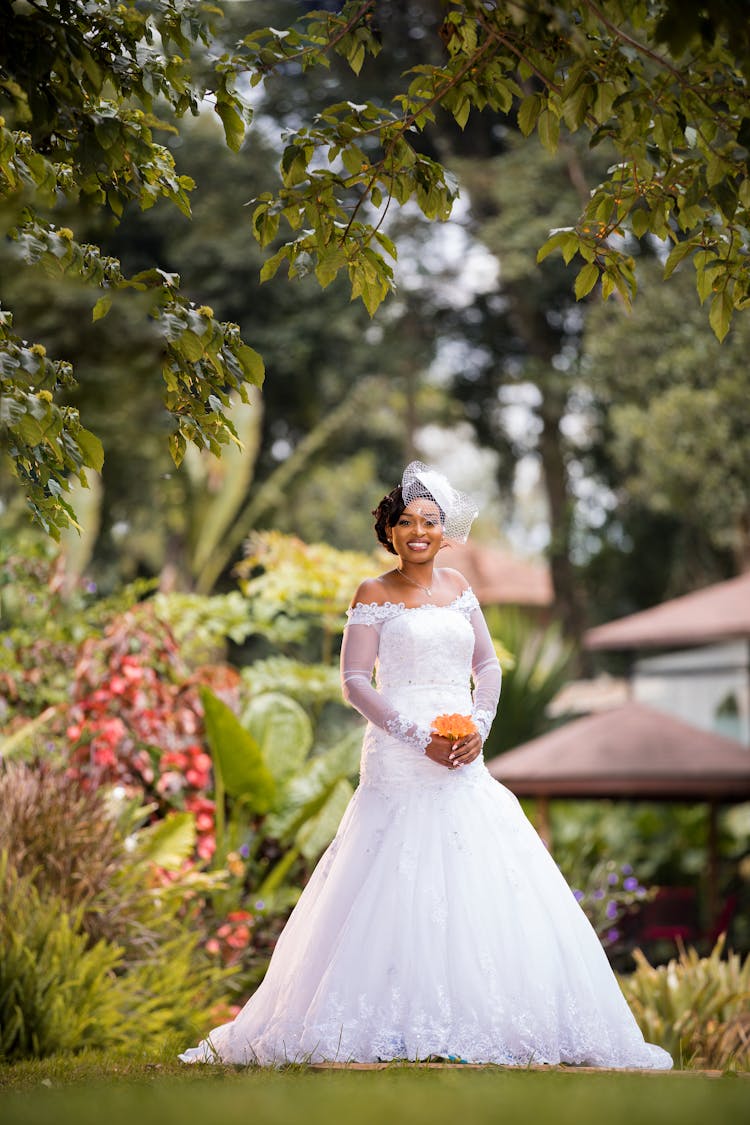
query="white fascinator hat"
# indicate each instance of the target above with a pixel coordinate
(458, 510)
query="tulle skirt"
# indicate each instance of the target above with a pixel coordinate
(436, 924)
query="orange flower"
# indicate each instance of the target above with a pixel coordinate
(453, 727)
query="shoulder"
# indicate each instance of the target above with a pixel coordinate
(455, 578)
(371, 591)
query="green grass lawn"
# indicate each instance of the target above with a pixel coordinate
(92, 1091)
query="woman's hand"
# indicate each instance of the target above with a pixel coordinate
(454, 754)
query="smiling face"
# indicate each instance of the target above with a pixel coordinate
(417, 535)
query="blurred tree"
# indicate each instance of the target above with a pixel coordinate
(676, 420)
(525, 338)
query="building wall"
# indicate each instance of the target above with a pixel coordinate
(707, 686)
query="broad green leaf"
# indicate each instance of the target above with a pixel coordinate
(720, 314)
(586, 280)
(237, 756)
(252, 364)
(281, 729)
(191, 346)
(271, 265)
(357, 57)
(234, 126)
(316, 833)
(549, 130)
(528, 113)
(92, 449)
(678, 252)
(639, 222)
(101, 308)
(307, 789)
(461, 112)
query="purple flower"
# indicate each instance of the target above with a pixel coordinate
(611, 910)
(613, 878)
(244, 850)
(579, 895)
(630, 883)
(627, 869)
(598, 893)
(90, 587)
(612, 935)
(260, 904)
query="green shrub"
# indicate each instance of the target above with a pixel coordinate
(695, 1007)
(56, 991)
(100, 927)
(61, 993)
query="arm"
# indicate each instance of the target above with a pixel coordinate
(487, 674)
(358, 654)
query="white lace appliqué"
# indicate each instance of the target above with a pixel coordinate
(483, 720)
(374, 613)
(418, 738)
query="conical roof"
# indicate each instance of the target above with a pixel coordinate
(716, 613)
(633, 752)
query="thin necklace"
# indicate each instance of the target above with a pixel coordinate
(427, 589)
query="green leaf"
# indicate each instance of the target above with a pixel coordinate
(237, 757)
(720, 314)
(308, 788)
(168, 842)
(586, 280)
(93, 450)
(461, 112)
(639, 221)
(252, 364)
(608, 286)
(318, 831)
(282, 730)
(549, 130)
(191, 346)
(528, 113)
(101, 308)
(677, 254)
(357, 57)
(234, 126)
(271, 265)
(556, 241)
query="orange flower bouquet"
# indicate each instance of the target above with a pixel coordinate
(453, 727)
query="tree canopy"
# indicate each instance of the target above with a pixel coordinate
(86, 84)
(79, 84)
(664, 82)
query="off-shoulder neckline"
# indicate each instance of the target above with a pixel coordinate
(408, 608)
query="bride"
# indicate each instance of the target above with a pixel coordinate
(436, 923)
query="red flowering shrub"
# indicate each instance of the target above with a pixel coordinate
(136, 719)
(232, 937)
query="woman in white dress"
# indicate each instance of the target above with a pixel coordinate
(436, 923)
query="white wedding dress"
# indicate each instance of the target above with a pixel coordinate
(436, 923)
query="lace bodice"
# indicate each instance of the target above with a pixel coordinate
(425, 658)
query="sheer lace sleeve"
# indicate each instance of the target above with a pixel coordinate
(358, 654)
(486, 671)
